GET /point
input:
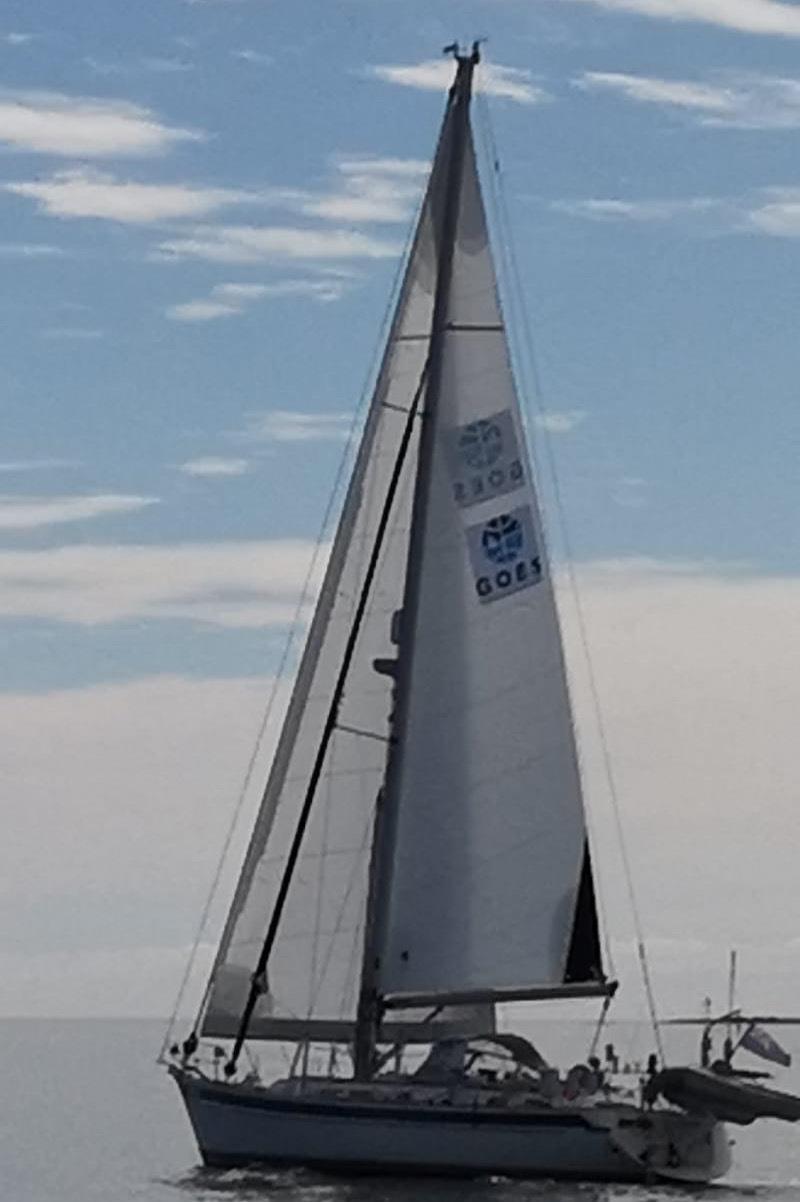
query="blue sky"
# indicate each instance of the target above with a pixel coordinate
(204, 204)
(648, 169)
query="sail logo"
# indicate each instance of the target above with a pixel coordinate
(504, 554)
(480, 444)
(484, 459)
(502, 539)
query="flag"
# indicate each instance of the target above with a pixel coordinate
(760, 1043)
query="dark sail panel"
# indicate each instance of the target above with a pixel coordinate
(585, 959)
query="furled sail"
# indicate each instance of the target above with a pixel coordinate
(314, 968)
(490, 890)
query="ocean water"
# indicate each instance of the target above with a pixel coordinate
(87, 1116)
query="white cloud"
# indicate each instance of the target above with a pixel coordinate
(259, 244)
(698, 671)
(122, 763)
(287, 425)
(382, 190)
(560, 421)
(228, 300)
(247, 584)
(746, 16)
(28, 513)
(773, 211)
(201, 310)
(35, 465)
(436, 75)
(253, 56)
(644, 211)
(31, 250)
(211, 465)
(17, 39)
(777, 214)
(169, 66)
(85, 127)
(83, 192)
(731, 100)
(683, 93)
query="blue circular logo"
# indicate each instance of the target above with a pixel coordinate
(503, 539)
(480, 444)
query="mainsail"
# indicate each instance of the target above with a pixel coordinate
(453, 710)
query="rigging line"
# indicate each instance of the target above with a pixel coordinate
(601, 1022)
(294, 628)
(330, 725)
(321, 876)
(515, 279)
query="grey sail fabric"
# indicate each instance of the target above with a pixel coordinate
(314, 969)
(489, 880)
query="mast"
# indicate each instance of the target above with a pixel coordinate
(457, 119)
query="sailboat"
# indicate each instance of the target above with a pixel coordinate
(420, 856)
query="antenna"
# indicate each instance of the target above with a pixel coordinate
(474, 56)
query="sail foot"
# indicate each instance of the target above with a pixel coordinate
(524, 993)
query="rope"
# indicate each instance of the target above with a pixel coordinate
(529, 359)
(294, 629)
(601, 1022)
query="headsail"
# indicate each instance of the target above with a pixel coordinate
(314, 968)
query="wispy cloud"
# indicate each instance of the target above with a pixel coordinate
(436, 75)
(288, 425)
(373, 189)
(228, 300)
(86, 127)
(778, 214)
(84, 192)
(201, 310)
(35, 465)
(17, 39)
(746, 16)
(256, 57)
(773, 211)
(646, 210)
(164, 66)
(78, 333)
(31, 250)
(212, 465)
(260, 244)
(732, 100)
(562, 421)
(246, 584)
(29, 513)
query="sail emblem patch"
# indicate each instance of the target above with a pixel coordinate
(484, 459)
(502, 539)
(480, 443)
(504, 554)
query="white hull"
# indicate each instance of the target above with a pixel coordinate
(239, 1124)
